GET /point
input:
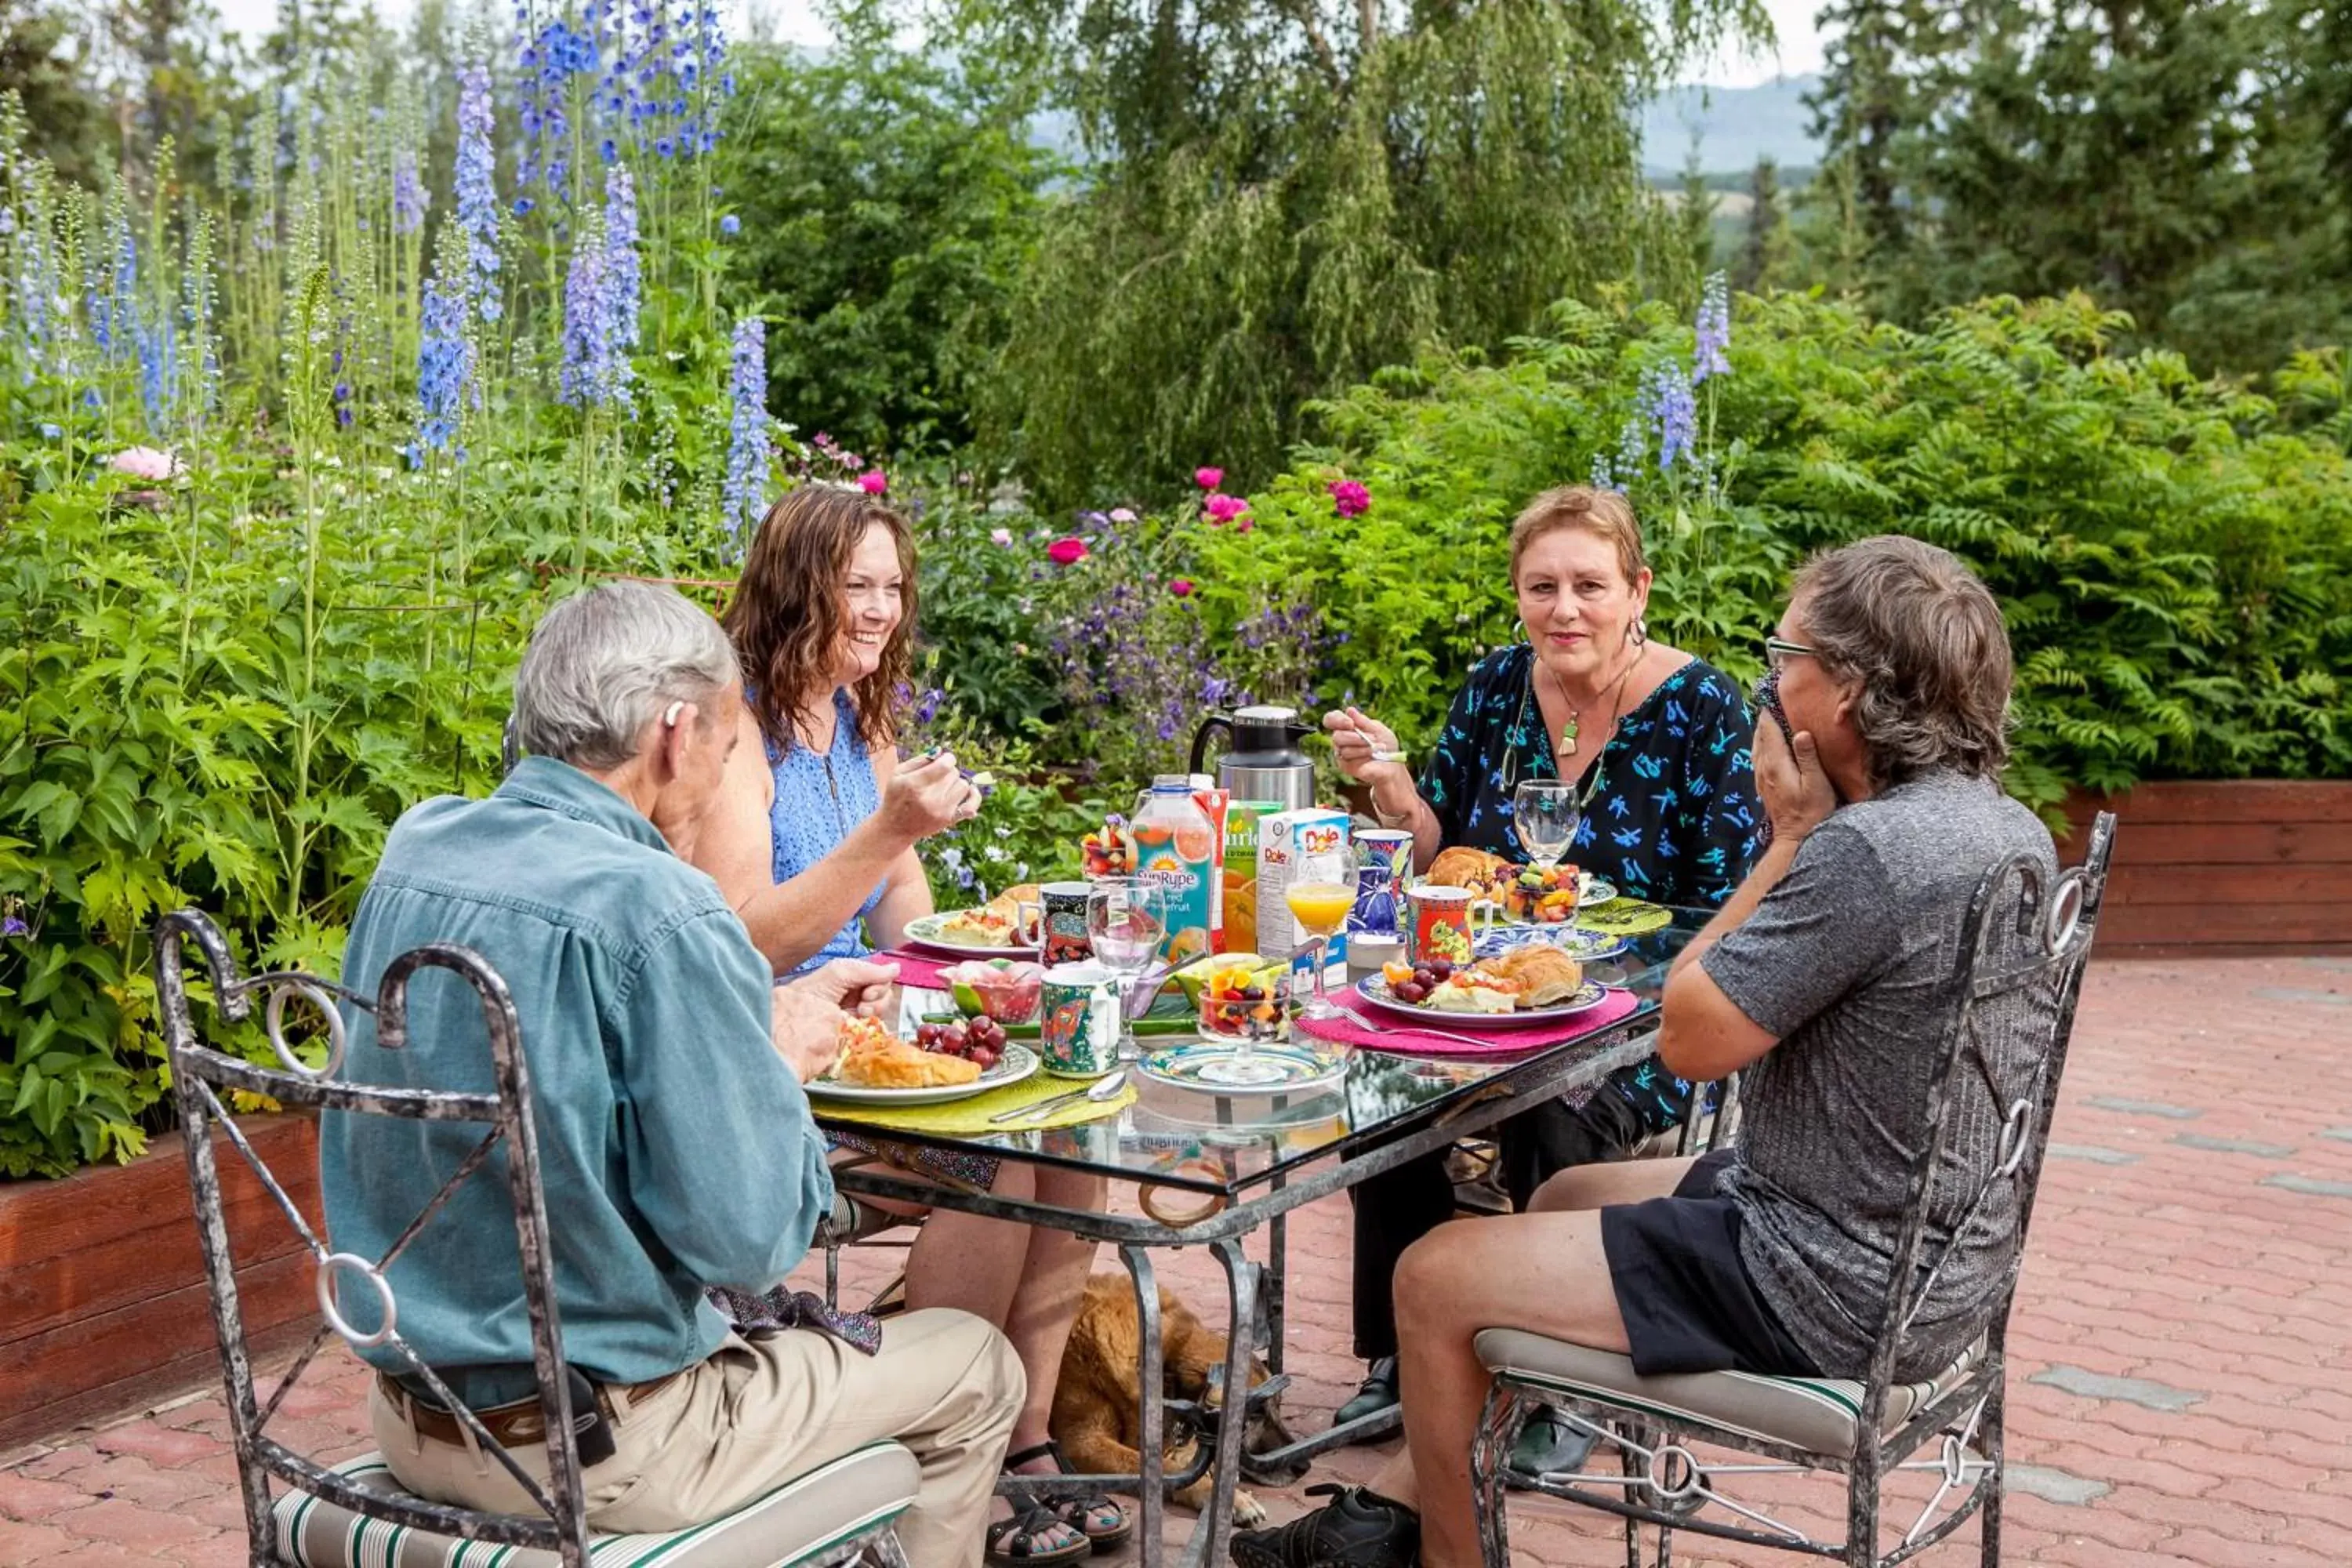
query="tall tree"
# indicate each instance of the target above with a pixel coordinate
(1286, 195)
(1764, 246)
(46, 62)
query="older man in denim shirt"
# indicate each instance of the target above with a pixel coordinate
(676, 1145)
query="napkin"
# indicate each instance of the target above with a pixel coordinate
(1380, 1032)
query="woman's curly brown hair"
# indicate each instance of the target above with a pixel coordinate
(787, 619)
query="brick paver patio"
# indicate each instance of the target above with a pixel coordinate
(2181, 1390)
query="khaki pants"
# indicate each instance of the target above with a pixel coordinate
(764, 1409)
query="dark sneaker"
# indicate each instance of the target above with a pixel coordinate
(1547, 1445)
(1378, 1393)
(1357, 1529)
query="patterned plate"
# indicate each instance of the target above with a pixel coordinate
(1590, 890)
(1017, 1063)
(1374, 990)
(1303, 1066)
(925, 931)
(1584, 946)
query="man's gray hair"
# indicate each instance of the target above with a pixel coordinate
(1922, 636)
(603, 663)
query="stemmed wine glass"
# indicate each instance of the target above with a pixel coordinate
(1319, 897)
(1127, 922)
(1544, 812)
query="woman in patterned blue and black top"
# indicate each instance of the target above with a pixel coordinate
(1656, 743)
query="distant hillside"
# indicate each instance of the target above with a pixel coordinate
(1735, 126)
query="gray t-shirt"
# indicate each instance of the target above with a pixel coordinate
(1850, 962)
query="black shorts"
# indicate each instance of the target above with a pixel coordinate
(1685, 1295)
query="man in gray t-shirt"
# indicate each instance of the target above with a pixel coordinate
(1850, 962)
(1830, 973)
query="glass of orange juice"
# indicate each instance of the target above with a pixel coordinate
(1321, 894)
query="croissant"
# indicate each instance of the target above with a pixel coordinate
(1546, 975)
(894, 1063)
(1463, 866)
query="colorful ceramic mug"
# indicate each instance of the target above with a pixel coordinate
(1060, 911)
(1078, 1021)
(1384, 856)
(1437, 924)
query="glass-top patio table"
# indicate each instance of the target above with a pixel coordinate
(1211, 1168)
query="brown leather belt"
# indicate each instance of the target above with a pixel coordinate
(518, 1425)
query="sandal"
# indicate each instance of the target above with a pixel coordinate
(1014, 1541)
(1105, 1523)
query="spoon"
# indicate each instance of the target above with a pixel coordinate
(1103, 1088)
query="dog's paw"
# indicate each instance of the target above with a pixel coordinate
(1248, 1512)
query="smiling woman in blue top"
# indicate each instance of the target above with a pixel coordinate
(1655, 742)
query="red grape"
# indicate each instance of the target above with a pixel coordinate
(1411, 990)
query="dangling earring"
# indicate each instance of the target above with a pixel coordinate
(1640, 636)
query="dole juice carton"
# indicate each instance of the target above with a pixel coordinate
(1283, 840)
(1242, 817)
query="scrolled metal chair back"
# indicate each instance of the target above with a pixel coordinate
(2018, 977)
(199, 1073)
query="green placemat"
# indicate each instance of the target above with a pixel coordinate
(970, 1118)
(1625, 917)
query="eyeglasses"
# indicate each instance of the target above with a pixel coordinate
(1778, 651)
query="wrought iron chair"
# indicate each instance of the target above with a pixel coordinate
(2024, 932)
(355, 1513)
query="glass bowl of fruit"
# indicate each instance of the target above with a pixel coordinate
(1535, 895)
(979, 1041)
(1243, 1002)
(1003, 989)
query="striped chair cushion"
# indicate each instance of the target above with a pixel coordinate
(863, 1489)
(1817, 1414)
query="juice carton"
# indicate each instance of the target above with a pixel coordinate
(1175, 850)
(1212, 803)
(1242, 817)
(1282, 839)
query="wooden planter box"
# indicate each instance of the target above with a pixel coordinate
(102, 1298)
(2234, 867)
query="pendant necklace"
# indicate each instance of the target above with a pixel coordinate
(1567, 732)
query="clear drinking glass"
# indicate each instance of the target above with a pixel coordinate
(1319, 895)
(1544, 813)
(1127, 919)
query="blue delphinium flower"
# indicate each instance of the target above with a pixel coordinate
(582, 380)
(1666, 404)
(478, 196)
(1603, 479)
(748, 451)
(1713, 330)
(622, 274)
(444, 365)
(730, 226)
(51, 432)
(409, 199)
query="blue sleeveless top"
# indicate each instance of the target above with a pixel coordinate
(820, 796)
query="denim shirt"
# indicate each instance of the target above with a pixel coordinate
(675, 1146)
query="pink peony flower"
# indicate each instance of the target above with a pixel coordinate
(873, 481)
(1350, 499)
(1244, 525)
(1120, 514)
(1181, 586)
(145, 463)
(1223, 509)
(1067, 552)
(1000, 537)
(1208, 478)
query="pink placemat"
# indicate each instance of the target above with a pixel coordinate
(918, 968)
(1378, 1032)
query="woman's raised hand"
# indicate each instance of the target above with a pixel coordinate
(927, 796)
(1369, 752)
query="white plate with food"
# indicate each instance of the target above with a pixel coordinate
(877, 1068)
(1533, 984)
(989, 931)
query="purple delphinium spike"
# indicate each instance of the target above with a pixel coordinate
(478, 196)
(444, 364)
(1667, 405)
(1713, 330)
(409, 199)
(748, 450)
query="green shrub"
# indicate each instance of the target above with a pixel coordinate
(2175, 562)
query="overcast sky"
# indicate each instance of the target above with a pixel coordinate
(796, 21)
